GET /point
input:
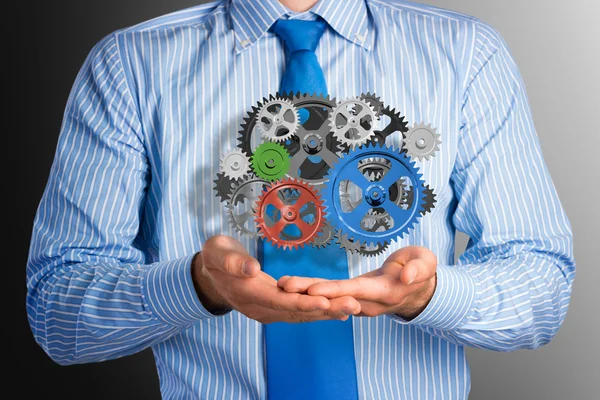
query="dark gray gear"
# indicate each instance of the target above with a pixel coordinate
(223, 186)
(396, 123)
(373, 249)
(430, 200)
(346, 243)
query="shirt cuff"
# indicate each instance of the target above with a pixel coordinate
(451, 302)
(168, 292)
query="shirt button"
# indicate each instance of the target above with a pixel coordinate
(359, 37)
(245, 43)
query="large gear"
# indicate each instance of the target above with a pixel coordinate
(282, 222)
(374, 195)
(278, 120)
(353, 122)
(270, 161)
(242, 205)
(421, 142)
(235, 164)
(314, 148)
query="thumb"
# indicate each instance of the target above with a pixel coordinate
(226, 254)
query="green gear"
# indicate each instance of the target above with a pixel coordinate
(270, 161)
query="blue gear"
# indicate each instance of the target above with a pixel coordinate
(375, 194)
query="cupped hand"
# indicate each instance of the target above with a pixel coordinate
(226, 276)
(403, 285)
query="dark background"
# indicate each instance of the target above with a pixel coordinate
(48, 42)
(553, 43)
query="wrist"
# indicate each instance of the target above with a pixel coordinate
(205, 289)
(421, 300)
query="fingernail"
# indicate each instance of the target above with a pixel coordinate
(246, 268)
(412, 276)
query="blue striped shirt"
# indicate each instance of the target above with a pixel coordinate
(130, 197)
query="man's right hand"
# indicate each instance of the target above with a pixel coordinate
(226, 276)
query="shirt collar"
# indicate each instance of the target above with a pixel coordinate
(252, 18)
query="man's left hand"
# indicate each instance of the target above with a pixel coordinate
(403, 285)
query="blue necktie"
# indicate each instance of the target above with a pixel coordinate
(312, 360)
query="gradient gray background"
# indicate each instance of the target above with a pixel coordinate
(555, 44)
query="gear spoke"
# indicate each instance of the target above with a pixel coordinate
(328, 156)
(354, 175)
(360, 211)
(397, 212)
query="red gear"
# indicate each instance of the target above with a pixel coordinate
(289, 213)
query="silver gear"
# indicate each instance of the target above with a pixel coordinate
(374, 101)
(353, 122)
(345, 243)
(244, 195)
(421, 141)
(235, 164)
(324, 238)
(278, 120)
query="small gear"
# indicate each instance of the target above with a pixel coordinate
(223, 186)
(283, 224)
(324, 238)
(235, 164)
(374, 101)
(430, 200)
(372, 250)
(421, 141)
(353, 122)
(396, 123)
(242, 205)
(270, 161)
(346, 243)
(278, 119)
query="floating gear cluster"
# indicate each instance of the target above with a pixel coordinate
(312, 171)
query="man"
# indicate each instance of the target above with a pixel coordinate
(131, 250)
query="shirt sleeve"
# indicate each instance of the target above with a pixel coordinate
(511, 287)
(90, 295)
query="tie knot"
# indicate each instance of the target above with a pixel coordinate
(299, 34)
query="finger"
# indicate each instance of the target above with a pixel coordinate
(371, 309)
(270, 316)
(417, 271)
(274, 298)
(226, 254)
(412, 264)
(343, 306)
(367, 288)
(296, 284)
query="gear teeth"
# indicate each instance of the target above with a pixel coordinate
(421, 142)
(272, 234)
